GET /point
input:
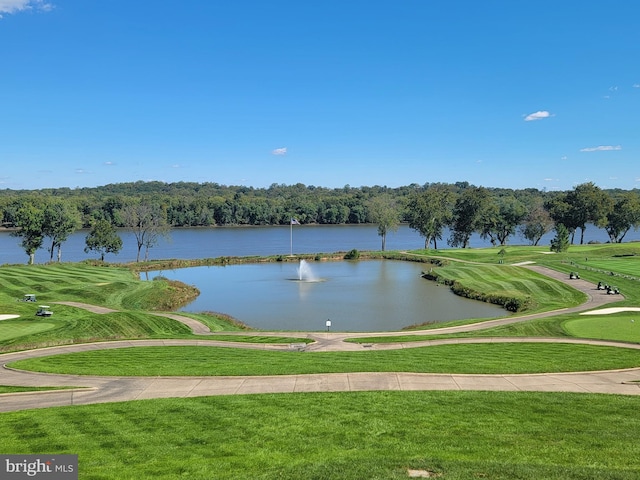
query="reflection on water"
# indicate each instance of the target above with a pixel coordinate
(362, 296)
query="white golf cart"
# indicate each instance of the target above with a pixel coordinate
(44, 311)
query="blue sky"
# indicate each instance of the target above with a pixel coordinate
(499, 93)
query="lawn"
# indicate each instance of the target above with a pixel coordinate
(487, 358)
(10, 329)
(624, 326)
(346, 436)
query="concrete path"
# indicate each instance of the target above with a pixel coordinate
(95, 389)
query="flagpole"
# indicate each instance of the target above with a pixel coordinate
(291, 238)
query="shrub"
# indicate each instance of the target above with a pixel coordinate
(352, 255)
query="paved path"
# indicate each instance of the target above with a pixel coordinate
(96, 389)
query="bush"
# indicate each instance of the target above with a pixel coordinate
(512, 304)
(352, 255)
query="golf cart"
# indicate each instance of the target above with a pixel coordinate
(29, 297)
(44, 311)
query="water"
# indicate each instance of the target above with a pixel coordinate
(357, 296)
(305, 272)
(193, 243)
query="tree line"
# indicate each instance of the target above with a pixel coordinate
(149, 209)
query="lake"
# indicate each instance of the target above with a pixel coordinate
(356, 296)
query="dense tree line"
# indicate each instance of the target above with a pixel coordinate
(47, 217)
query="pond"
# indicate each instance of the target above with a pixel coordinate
(356, 296)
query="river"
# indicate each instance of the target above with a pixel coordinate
(194, 243)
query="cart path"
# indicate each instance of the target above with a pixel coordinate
(97, 389)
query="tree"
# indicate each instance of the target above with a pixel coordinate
(383, 211)
(624, 215)
(60, 221)
(560, 243)
(561, 212)
(500, 220)
(29, 220)
(589, 204)
(103, 238)
(536, 224)
(469, 211)
(147, 224)
(429, 212)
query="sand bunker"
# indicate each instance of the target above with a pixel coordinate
(8, 317)
(608, 311)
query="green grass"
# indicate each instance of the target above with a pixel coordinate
(10, 329)
(619, 326)
(262, 339)
(489, 358)
(12, 389)
(507, 281)
(352, 436)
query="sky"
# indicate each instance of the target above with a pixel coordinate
(499, 93)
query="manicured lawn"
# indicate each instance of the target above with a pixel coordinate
(621, 265)
(542, 293)
(619, 326)
(12, 389)
(19, 328)
(459, 358)
(346, 436)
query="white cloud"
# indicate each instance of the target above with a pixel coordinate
(537, 116)
(601, 148)
(279, 151)
(564, 157)
(14, 6)
(109, 164)
(636, 85)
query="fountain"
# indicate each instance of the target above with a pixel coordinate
(305, 274)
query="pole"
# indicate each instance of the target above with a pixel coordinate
(291, 238)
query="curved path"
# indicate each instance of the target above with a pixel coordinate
(96, 389)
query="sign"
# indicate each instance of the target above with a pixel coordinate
(46, 467)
